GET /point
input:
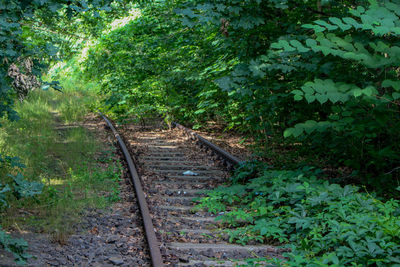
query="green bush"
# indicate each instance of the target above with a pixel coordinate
(323, 74)
(15, 185)
(322, 223)
(354, 89)
(17, 246)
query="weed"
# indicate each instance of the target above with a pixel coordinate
(77, 171)
(321, 223)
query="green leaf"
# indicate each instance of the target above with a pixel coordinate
(297, 97)
(391, 83)
(200, 111)
(339, 22)
(309, 126)
(224, 83)
(396, 95)
(188, 12)
(321, 98)
(352, 22)
(24, 188)
(296, 131)
(310, 98)
(357, 92)
(311, 43)
(368, 91)
(316, 28)
(307, 88)
(299, 46)
(297, 92)
(334, 97)
(327, 25)
(4, 189)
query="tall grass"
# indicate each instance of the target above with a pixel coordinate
(78, 171)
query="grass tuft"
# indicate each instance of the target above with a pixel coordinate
(79, 171)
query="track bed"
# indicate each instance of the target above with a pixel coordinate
(188, 237)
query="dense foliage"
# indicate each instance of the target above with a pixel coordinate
(319, 76)
(354, 87)
(44, 31)
(323, 224)
(320, 73)
(32, 35)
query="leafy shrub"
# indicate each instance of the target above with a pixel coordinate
(17, 246)
(19, 187)
(156, 66)
(321, 73)
(322, 223)
(354, 89)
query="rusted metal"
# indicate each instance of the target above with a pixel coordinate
(152, 241)
(219, 151)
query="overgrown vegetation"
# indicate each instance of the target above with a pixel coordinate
(323, 224)
(320, 77)
(28, 44)
(323, 75)
(62, 160)
(312, 82)
(15, 185)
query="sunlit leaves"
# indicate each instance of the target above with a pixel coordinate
(381, 20)
(324, 90)
(261, 67)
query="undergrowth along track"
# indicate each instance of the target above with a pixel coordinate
(186, 236)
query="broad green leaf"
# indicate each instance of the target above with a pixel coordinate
(308, 88)
(321, 98)
(296, 132)
(310, 98)
(334, 97)
(339, 23)
(298, 97)
(299, 46)
(316, 28)
(352, 22)
(311, 43)
(396, 95)
(368, 91)
(357, 92)
(297, 92)
(391, 83)
(325, 24)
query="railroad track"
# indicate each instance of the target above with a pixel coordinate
(177, 233)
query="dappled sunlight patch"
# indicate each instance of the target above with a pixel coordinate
(54, 181)
(119, 23)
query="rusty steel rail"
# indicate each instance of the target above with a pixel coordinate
(152, 241)
(219, 151)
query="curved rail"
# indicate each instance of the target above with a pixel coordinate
(154, 247)
(224, 154)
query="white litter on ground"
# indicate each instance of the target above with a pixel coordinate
(190, 173)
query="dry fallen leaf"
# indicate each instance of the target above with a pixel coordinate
(94, 230)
